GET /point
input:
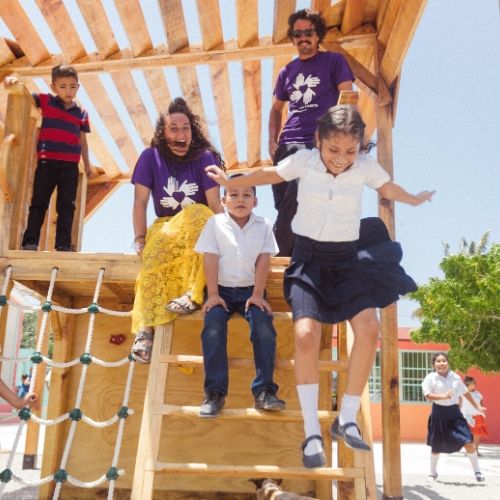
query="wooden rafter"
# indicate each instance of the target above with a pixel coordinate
(133, 21)
(210, 23)
(354, 14)
(174, 25)
(247, 21)
(158, 87)
(282, 11)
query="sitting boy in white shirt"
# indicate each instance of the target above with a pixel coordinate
(237, 247)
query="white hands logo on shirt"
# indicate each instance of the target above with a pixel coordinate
(308, 94)
(172, 187)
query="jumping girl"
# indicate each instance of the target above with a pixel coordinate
(329, 279)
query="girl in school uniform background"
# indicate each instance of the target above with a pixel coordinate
(447, 428)
(330, 279)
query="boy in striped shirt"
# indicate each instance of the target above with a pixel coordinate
(61, 143)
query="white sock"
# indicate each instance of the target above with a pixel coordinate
(474, 461)
(308, 398)
(434, 462)
(348, 412)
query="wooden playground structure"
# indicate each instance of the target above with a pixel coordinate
(165, 450)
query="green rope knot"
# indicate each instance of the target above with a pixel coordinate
(36, 358)
(123, 412)
(5, 475)
(86, 358)
(112, 474)
(75, 414)
(24, 413)
(93, 308)
(60, 476)
(47, 306)
(3, 302)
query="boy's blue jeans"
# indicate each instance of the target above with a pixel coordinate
(214, 342)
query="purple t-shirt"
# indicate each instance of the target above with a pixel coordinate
(310, 86)
(173, 188)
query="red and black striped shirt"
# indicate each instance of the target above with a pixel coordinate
(59, 137)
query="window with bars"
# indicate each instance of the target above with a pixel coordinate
(413, 367)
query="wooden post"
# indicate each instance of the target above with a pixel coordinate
(393, 488)
(63, 328)
(32, 434)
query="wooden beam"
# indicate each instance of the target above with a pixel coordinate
(399, 41)
(282, 11)
(120, 292)
(134, 104)
(99, 26)
(63, 29)
(158, 58)
(386, 19)
(133, 21)
(191, 90)
(321, 6)
(6, 55)
(97, 194)
(110, 117)
(253, 108)
(354, 15)
(210, 23)
(23, 30)
(157, 83)
(247, 22)
(174, 25)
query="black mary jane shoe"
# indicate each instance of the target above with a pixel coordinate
(339, 432)
(316, 460)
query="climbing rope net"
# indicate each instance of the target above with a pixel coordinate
(75, 415)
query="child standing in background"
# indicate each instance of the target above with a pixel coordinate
(475, 419)
(61, 143)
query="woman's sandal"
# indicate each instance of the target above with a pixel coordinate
(142, 347)
(182, 305)
(316, 460)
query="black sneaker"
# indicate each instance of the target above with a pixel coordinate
(65, 248)
(212, 404)
(266, 400)
(479, 477)
(30, 246)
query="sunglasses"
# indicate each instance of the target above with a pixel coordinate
(308, 32)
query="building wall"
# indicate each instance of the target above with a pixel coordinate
(413, 416)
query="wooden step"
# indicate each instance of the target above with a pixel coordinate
(284, 364)
(239, 414)
(256, 471)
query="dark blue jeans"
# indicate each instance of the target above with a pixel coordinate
(214, 342)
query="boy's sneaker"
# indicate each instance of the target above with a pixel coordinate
(212, 404)
(65, 248)
(480, 478)
(30, 246)
(266, 400)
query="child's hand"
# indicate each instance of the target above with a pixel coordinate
(30, 400)
(9, 81)
(217, 174)
(212, 301)
(424, 196)
(260, 302)
(90, 172)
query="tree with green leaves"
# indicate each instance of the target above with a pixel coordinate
(463, 308)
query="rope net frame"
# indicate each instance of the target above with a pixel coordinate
(75, 415)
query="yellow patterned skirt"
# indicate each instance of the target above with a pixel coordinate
(170, 267)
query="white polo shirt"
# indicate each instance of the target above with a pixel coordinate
(329, 207)
(434, 383)
(237, 248)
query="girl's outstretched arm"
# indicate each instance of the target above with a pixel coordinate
(266, 175)
(392, 191)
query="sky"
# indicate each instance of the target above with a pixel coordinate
(445, 136)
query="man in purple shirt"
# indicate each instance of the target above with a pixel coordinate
(311, 85)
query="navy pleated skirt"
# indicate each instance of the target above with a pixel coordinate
(447, 429)
(332, 282)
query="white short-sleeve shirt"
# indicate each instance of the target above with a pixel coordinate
(467, 409)
(237, 248)
(434, 383)
(329, 207)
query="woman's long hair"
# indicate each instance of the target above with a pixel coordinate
(199, 142)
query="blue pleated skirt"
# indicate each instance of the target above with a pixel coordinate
(447, 429)
(332, 282)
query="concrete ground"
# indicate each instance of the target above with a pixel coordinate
(455, 481)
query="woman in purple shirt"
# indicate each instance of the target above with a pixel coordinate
(172, 172)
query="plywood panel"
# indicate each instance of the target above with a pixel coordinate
(63, 29)
(98, 24)
(21, 27)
